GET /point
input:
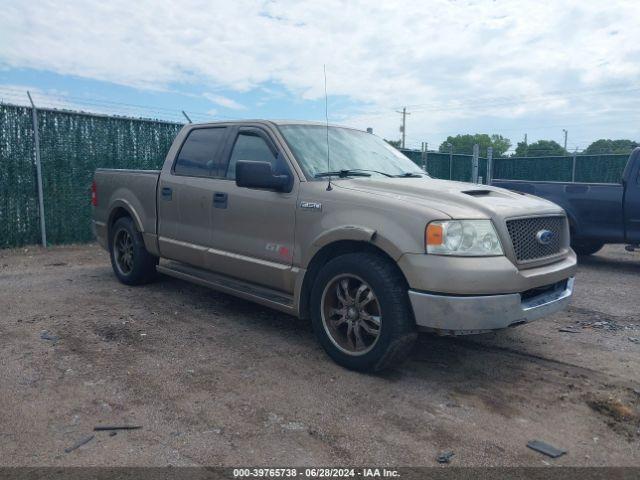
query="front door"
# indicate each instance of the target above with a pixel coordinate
(253, 229)
(185, 196)
(632, 200)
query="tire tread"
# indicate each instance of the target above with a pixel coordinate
(397, 311)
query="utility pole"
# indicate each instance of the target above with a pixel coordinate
(403, 128)
(565, 138)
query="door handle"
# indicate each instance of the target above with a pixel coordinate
(220, 200)
(167, 193)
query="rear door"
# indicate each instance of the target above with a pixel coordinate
(253, 229)
(632, 199)
(185, 196)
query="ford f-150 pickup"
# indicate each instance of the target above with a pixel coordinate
(598, 213)
(333, 224)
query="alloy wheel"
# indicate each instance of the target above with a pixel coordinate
(351, 314)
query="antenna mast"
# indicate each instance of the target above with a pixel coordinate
(326, 116)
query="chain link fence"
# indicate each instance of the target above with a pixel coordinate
(74, 144)
(606, 168)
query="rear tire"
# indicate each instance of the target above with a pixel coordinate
(131, 262)
(361, 313)
(587, 248)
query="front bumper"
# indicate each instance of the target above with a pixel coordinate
(459, 315)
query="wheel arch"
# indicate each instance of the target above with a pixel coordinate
(328, 252)
(122, 208)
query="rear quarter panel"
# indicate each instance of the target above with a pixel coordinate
(132, 190)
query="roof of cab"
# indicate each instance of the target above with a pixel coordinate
(273, 122)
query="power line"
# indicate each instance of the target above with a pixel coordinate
(520, 99)
(498, 101)
(72, 102)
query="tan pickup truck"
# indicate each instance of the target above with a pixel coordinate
(333, 224)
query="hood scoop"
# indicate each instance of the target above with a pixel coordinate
(479, 193)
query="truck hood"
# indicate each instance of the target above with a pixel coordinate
(454, 199)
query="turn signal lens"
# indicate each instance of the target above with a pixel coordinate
(433, 234)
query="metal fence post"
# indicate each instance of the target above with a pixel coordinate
(450, 162)
(36, 136)
(474, 163)
(425, 145)
(573, 167)
(489, 165)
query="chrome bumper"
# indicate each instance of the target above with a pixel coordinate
(460, 315)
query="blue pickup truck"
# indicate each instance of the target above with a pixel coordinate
(599, 213)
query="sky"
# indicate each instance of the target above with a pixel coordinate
(500, 67)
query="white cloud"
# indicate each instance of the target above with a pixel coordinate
(223, 101)
(448, 60)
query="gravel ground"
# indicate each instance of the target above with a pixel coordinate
(215, 380)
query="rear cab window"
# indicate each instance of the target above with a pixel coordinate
(199, 155)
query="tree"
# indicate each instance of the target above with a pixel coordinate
(541, 148)
(465, 143)
(611, 146)
(394, 143)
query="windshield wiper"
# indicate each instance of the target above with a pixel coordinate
(353, 172)
(369, 170)
(408, 175)
(343, 174)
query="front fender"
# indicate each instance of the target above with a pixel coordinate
(353, 233)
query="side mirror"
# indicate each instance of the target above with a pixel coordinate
(250, 174)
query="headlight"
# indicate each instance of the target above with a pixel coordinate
(474, 238)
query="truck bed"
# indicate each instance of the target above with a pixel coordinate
(137, 188)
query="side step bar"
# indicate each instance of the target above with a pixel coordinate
(249, 291)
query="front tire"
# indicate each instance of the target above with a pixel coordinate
(131, 262)
(361, 313)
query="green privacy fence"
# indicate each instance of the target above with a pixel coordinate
(588, 168)
(606, 168)
(72, 146)
(19, 218)
(455, 166)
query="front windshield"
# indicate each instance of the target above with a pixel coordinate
(349, 150)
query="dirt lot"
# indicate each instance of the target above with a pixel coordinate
(215, 380)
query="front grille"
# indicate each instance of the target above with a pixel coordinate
(524, 231)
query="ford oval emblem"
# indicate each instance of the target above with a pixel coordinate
(544, 237)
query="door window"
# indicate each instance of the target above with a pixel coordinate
(251, 146)
(199, 153)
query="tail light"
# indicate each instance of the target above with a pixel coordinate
(94, 194)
